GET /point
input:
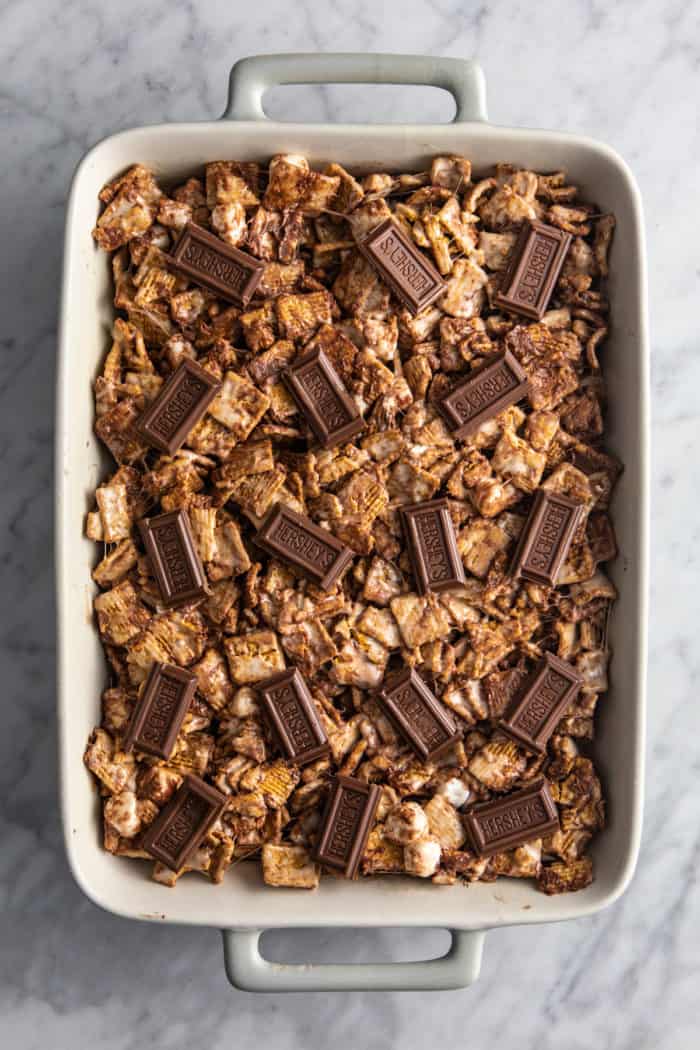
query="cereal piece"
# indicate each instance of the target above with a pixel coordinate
(113, 768)
(381, 855)
(115, 564)
(213, 681)
(444, 822)
(120, 614)
(566, 877)
(239, 405)
(230, 557)
(360, 661)
(173, 637)
(299, 316)
(524, 862)
(116, 428)
(420, 619)
(384, 582)
(253, 657)
(518, 462)
(499, 764)
(289, 866)
(115, 518)
(464, 295)
(479, 543)
(131, 208)
(277, 783)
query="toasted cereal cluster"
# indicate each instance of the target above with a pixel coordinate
(253, 450)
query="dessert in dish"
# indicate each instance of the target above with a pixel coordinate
(352, 590)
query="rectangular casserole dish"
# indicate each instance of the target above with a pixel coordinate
(244, 906)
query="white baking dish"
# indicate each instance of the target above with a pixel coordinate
(243, 906)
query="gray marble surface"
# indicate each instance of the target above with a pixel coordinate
(76, 70)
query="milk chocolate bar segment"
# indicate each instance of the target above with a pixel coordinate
(311, 550)
(533, 269)
(209, 261)
(489, 390)
(417, 714)
(160, 710)
(173, 557)
(533, 715)
(432, 545)
(346, 824)
(546, 538)
(320, 394)
(180, 827)
(505, 823)
(409, 274)
(180, 404)
(290, 710)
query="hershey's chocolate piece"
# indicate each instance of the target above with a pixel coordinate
(173, 557)
(507, 822)
(311, 550)
(180, 404)
(346, 824)
(182, 824)
(500, 689)
(533, 269)
(417, 714)
(487, 391)
(207, 260)
(546, 538)
(432, 546)
(160, 710)
(290, 710)
(533, 715)
(409, 273)
(320, 394)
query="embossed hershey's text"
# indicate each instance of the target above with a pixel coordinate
(401, 263)
(419, 717)
(160, 711)
(303, 544)
(169, 544)
(188, 393)
(536, 267)
(214, 265)
(190, 815)
(548, 537)
(432, 541)
(345, 825)
(481, 393)
(292, 715)
(526, 814)
(538, 707)
(324, 398)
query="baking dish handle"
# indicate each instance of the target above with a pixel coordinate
(247, 969)
(251, 78)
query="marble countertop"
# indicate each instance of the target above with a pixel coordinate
(72, 975)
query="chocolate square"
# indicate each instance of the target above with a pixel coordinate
(209, 261)
(321, 395)
(180, 827)
(160, 710)
(173, 557)
(180, 404)
(290, 711)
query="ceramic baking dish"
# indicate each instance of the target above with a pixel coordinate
(243, 906)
